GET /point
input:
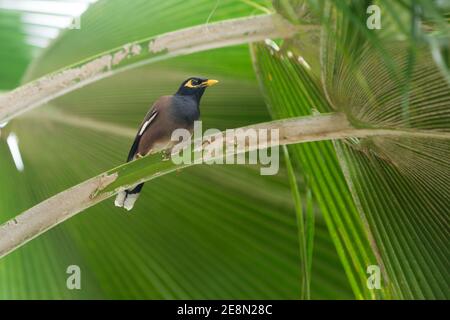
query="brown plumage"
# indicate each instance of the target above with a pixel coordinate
(157, 128)
(167, 114)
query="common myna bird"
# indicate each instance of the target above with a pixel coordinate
(167, 114)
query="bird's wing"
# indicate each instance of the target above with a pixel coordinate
(149, 118)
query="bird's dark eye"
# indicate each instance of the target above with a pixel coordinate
(195, 82)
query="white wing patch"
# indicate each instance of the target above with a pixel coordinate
(146, 123)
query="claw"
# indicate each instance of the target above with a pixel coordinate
(205, 143)
(165, 155)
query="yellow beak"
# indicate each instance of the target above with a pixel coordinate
(210, 83)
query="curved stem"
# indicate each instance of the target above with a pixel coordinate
(66, 204)
(131, 55)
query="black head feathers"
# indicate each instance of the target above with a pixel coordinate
(195, 86)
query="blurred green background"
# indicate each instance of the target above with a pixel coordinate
(206, 232)
(226, 232)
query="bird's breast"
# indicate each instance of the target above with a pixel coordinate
(185, 109)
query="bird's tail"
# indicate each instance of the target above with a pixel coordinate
(127, 198)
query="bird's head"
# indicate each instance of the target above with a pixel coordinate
(195, 86)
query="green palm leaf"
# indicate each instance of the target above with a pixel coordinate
(223, 245)
(377, 198)
(398, 184)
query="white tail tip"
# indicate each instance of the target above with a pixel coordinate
(130, 200)
(120, 198)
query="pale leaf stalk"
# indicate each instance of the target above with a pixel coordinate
(131, 55)
(51, 212)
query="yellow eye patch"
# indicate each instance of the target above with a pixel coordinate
(190, 85)
(205, 83)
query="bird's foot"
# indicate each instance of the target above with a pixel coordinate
(205, 143)
(165, 155)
